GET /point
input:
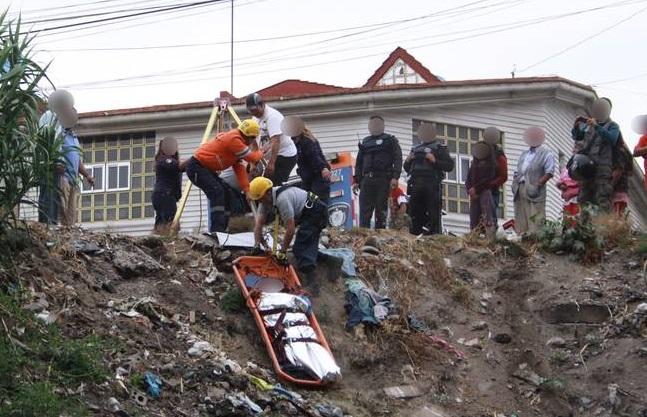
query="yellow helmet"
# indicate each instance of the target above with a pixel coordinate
(249, 128)
(258, 187)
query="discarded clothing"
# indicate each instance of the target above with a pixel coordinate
(363, 305)
(348, 257)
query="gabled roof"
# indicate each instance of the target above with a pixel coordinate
(407, 58)
(290, 88)
(339, 91)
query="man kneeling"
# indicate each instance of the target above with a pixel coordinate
(293, 206)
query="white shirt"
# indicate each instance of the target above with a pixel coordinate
(270, 124)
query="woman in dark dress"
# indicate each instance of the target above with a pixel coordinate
(168, 184)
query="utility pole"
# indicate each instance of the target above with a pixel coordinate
(231, 64)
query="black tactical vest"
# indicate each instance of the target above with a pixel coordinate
(378, 153)
(420, 166)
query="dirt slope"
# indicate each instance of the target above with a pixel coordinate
(542, 336)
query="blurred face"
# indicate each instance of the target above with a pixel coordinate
(491, 135)
(257, 111)
(292, 126)
(639, 124)
(426, 132)
(534, 136)
(68, 118)
(169, 146)
(375, 127)
(601, 110)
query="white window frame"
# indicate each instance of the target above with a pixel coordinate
(98, 188)
(456, 169)
(460, 159)
(118, 165)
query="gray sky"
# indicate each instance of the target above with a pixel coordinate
(451, 43)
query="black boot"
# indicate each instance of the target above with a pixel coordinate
(310, 281)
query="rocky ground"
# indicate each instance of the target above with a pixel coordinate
(481, 330)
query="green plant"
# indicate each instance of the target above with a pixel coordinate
(233, 301)
(39, 400)
(28, 152)
(577, 236)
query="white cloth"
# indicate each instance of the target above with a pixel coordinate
(314, 357)
(270, 124)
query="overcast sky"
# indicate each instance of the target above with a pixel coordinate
(449, 37)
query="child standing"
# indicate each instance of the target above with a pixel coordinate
(481, 174)
(570, 189)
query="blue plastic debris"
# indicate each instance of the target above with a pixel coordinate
(153, 384)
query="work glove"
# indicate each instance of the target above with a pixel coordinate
(257, 251)
(281, 258)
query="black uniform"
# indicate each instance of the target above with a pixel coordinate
(378, 161)
(310, 162)
(424, 187)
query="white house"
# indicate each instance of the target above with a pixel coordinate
(120, 145)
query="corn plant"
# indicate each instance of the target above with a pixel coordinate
(28, 152)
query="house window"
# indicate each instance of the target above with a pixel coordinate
(459, 141)
(96, 170)
(400, 73)
(118, 178)
(122, 165)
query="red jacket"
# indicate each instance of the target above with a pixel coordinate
(501, 171)
(226, 150)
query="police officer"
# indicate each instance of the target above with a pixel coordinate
(598, 135)
(426, 166)
(312, 166)
(377, 169)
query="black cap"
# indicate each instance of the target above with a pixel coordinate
(253, 100)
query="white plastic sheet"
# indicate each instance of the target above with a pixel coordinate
(239, 240)
(290, 319)
(274, 300)
(300, 332)
(314, 357)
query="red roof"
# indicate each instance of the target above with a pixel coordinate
(290, 88)
(401, 53)
(295, 89)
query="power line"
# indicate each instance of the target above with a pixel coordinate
(484, 31)
(620, 80)
(209, 66)
(144, 13)
(81, 16)
(376, 26)
(138, 25)
(588, 38)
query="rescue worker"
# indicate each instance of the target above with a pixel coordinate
(599, 135)
(228, 149)
(312, 166)
(426, 166)
(278, 149)
(294, 207)
(378, 167)
(534, 169)
(492, 136)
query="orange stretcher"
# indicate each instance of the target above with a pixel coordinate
(268, 267)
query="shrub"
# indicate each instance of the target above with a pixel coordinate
(28, 152)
